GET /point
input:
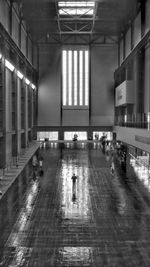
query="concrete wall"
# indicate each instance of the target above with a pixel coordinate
(135, 35)
(137, 30)
(147, 80)
(49, 94)
(5, 10)
(4, 14)
(103, 64)
(128, 43)
(147, 16)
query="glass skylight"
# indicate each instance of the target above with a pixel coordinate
(76, 4)
(76, 8)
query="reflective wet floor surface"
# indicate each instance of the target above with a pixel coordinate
(98, 221)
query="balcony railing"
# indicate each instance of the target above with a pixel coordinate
(138, 120)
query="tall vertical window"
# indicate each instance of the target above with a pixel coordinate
(75, 77)
(64, 55)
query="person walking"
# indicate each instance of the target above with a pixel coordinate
(41, 165)
(35, 166)
(74, 178)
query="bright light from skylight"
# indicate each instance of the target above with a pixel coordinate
(76, 8)
(76, 11)
(76, 4)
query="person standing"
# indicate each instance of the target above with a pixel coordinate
(74, 178)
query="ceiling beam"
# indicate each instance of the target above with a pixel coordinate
(70, 20)
(77, 32)
(58, 21)
(94, 17)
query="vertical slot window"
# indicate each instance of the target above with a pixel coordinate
(70, 78)
(86, 78)
(75, 78)
(81, 77)
(64, 71)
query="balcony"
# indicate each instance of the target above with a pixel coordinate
(138, 120)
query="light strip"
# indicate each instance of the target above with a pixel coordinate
(0, 56)
(19, 74)
(75, 77)
(27, 81)
(9, 65)
(81, 76)
(86, 77)
(70, 78)
(64, 68)
(76, 4)
(33, 86)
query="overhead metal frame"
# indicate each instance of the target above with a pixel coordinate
(81, 28)
(75, 20)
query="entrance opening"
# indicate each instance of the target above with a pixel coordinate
(70, 135)
(52, 136)
(97, 135)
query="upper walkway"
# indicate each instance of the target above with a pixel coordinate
(12, 170)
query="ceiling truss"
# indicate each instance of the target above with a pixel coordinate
(76, 24)
(102, 26)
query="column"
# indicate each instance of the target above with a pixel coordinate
(147, 84)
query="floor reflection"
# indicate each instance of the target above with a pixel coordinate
(80, 256)
(97, 221)
(75, 199)
(16, 237)
(142, 172)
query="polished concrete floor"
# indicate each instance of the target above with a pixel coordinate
(103, 220)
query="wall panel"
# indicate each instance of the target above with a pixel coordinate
(137, 30)
(75, 117)
(23, 40)
(49, 94)
(121, 52)
(4, 14)
(103, 64)
(29, 50)
(128, 43)
(15, 28)
(147, 16)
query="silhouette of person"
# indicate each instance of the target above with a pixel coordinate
(74, 178)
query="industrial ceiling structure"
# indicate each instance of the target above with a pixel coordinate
(74, 21)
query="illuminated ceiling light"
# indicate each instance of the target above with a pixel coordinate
(0, 56)
(27, 81)
(33, 86)
(19, 74)
(9, 65)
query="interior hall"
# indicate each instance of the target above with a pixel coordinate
(75, 133)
